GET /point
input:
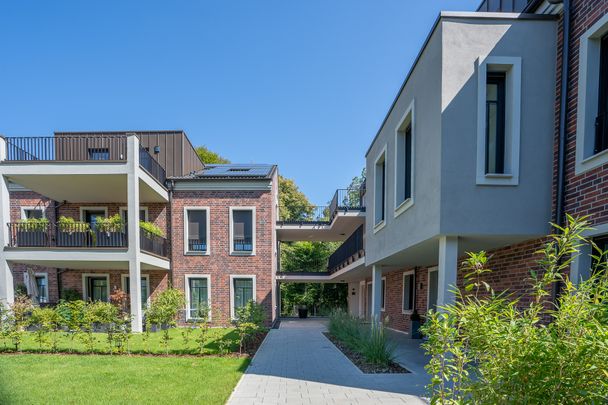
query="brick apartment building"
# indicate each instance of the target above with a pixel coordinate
(499, 128)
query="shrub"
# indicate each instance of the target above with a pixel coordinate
(151, 228)
(46, 321)
(114, 223)
(490, 347)
(375, 346)
(70, 294)
(163, 311)
(251, 312)
(34, 224)
(72, 317)
(67, 224)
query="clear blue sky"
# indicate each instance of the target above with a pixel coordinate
(303, 84)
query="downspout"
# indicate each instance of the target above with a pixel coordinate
(170, 186)
(563, 109)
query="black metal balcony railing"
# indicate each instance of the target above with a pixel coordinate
(66, 148)
(153, 243)
(147, 162)
(344, 200)
(79, 235)
(351, 249)
(197, 245)
(242, 245)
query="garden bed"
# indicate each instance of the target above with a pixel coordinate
(359, 360)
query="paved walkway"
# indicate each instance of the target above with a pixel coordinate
(296, 364)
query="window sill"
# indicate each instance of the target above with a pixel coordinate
(497, 179)
(196, 253)
(407, 312)
(404, 206)
(242, 253)
(379, 226)
(592, 162)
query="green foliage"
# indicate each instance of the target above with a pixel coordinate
(293, 204)
(163, 311)
(490, 347)
(70, 294)
(210, 157)
(115, 223)
(71, 315)
(46, 322)
(370, 340)
(251, 312)
(34, 224)
(151, 228)
(68, 224)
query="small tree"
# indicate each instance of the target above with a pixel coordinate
(249, 323)
(202, 322)
(72, 317)
(17, 320)
(489, 347)
(164, 310)
(46, 321)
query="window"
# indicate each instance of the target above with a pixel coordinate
(404, 162)
(409, 291)
(145, 288)
(242, 229)
(498, 120)
(592, 104)
(242, 289)
(96, 287)
(99, 154)
(383, 297)
(42, 283)
(433, 289)
(197, 295)
(380, 189)
(143, 214)
(196, 230)
(32, 212)
(495, 123)
(92, 214)
(601, 122)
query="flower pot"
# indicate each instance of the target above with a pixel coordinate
(110, 239)
(73, 239)
(32, 238)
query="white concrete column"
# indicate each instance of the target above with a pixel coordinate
(7, 292)
(447, 269)
(376, 292)
(133, 232)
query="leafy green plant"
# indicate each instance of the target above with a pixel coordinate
(72, 317)
(164, 310)
(46, 322)
(491, 347)
(17, 320)
(151, 228)
(34, 224)
(70, 294)
(251, 312)
(375, 346)
(115, 223)
(201, 317)
(68, 224)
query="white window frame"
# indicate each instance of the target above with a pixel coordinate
(588, 94)
(123, 284)
(408, 118)
(253, 230)
(46, 276)
(428, 285)
(382, 155)
(208, 215)
(187, 277)
(31, 208)
(122, 210)
(405, 274)
(383, 283)
(511, 65)
(85, 295)
(232, 277)
(83, 209)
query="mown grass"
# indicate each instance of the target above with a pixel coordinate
(91, 379)
(136, 345)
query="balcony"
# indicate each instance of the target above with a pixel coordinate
(348, 252)
(79, 235)
(333, 222)
(63, 167)
(154, 244)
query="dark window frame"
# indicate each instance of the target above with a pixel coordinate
(412, 292)
(500, 80)
(192, 310)
(600, 143)
(407, 186)
(200, 244)
(91, 288)
(246, 243)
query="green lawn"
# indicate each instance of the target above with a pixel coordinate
(137, 344)
(94, 379)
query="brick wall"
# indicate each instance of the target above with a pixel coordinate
(72, 279)
(220, 264)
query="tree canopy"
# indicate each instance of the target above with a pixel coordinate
(210, 157)
(293, 204)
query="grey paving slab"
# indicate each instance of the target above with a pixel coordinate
(297, 364)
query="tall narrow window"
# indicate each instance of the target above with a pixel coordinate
(404, 161)
(97, 288)
(196, 232)
(198, 296)
(408, 292)
(380, 190)
(495, 123)
(601, 122)
(383, 297)
(242, 230)
(243, 291)
(43, 288)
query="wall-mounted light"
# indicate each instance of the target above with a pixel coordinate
(156, 150)
(354, 292)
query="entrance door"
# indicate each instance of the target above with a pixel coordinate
(433, 285)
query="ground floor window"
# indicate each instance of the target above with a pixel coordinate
(197, 295)
(409, 288)
(243, 291)
(383, 296)
(145, 288)
(96, 288)
(42, 283)
(433, 286)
